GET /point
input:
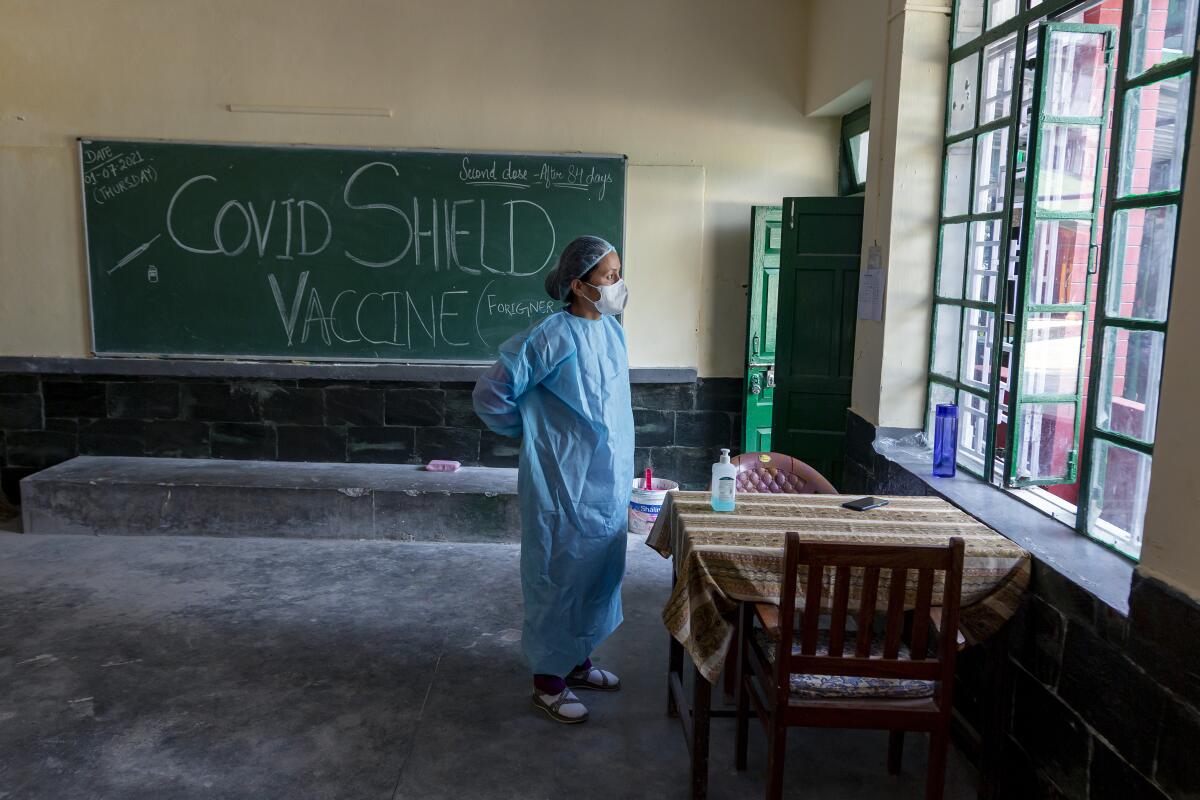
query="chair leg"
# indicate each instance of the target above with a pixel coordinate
(776, 749)
(742, 736)
(935, 779)
(741, 681)
(895, 751)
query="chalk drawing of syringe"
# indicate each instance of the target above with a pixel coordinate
(136, 252)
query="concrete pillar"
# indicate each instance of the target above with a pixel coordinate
(892, 355)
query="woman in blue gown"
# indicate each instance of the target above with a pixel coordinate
(562, 387)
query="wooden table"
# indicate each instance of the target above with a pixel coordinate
(721, 559)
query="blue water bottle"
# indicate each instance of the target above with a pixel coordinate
(945, 440)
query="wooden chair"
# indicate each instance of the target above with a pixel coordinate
(771, 473)
(804, 676)
(776, 473)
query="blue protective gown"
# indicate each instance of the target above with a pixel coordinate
(563, 388)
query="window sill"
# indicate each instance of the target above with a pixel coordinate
(1091, 566)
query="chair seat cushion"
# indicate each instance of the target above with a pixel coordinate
(770, 480)
(825, 687)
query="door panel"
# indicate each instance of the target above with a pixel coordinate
(815, 412)
(769, 326)
(759, 403)
(811, 299)
(836, 234)
(767, 224)
(762, 327)
(849, 322)
(818, 290)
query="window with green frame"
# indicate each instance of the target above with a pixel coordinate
(1066, 132)
(852, 168)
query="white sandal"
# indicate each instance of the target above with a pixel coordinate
(562, 707)
(594, 679)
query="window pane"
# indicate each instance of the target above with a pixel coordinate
(968, 22)
(1162, 31)
(1059, 261)
(954, 253)
(1000, 10)
(977, 347)
(1047, 436)
(991, 172)
(963, 77)
(1117, 498)
(938, 394)
(858, 156)
(972, 430)
(1077, 75)
(945, 341)
(999, 62)
(1050, 358)
(1152, 137)
(1139, 282)
(1129, 382)
(984, 263)
(1067, 167)
(958, 179)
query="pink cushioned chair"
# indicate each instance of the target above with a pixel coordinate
(772, 473)
(775, 473)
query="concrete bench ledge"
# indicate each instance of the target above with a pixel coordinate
(204, 497)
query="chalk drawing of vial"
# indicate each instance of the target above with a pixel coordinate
(152, 274)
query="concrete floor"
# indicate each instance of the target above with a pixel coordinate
(179, 668)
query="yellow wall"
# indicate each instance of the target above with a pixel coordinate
(843, 54)
(674, 198)
(894, 54)
(706, 84)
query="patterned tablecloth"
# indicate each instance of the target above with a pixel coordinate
(721, 558)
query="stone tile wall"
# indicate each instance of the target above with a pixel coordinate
(45, 419)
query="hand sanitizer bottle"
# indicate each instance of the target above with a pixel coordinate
(724, 484)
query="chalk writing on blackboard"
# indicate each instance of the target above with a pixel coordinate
(137, 251)
(330, 253)
(576, 177)
(109, 173)
(251, 224)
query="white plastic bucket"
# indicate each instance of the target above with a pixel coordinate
(645, 504)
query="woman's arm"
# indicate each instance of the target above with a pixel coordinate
(525, 361)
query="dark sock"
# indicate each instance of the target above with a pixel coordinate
(548, 684)
(552, 684)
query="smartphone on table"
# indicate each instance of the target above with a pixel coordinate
(865, 503)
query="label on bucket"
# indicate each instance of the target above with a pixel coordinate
(645, 509)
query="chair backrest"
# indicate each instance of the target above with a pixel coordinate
(775, 473)
(869, 561)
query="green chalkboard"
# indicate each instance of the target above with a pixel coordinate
(210, 250)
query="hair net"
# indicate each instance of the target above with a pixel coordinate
(576, 260)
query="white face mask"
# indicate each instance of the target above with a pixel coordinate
(613, 298)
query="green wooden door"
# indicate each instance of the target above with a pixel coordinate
(767, 224)
(818, 301)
